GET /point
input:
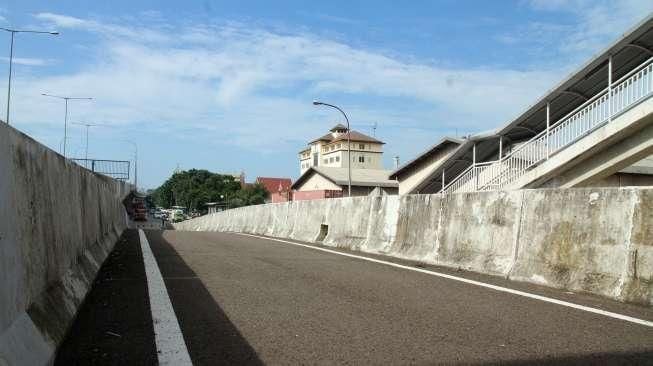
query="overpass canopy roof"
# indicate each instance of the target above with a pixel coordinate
(407, 167)
(628, 52)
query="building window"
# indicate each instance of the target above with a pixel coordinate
(361, 159)
(337, 159)
(337, 146)
(331, 160)
(326, 161)
(361, 146)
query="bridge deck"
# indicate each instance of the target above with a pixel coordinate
(247, 300)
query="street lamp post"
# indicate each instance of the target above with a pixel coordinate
(65, 123)
(135, 163)
(87, 127)
(225, 198)
(11, 59)
(348, 143)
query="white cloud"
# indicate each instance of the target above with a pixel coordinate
(597, 23)
(65, 21)
(255, 86)
(232, 74)
(27, 61)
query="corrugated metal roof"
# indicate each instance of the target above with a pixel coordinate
(359, 177)
(446, 141)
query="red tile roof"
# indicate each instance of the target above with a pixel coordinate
(275, 184)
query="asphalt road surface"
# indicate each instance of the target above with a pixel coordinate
(246, 300)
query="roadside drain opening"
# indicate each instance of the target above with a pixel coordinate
(324, 230)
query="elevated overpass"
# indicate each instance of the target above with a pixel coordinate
(467, 278)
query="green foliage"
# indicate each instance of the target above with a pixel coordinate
(194, 188)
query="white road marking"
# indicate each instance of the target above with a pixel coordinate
(472, 282)
(170, 345)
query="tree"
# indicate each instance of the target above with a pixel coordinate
(194, 188)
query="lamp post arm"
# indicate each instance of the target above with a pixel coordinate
(348, 143)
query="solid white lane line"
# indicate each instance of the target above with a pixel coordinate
(472, 282)
(170, 345)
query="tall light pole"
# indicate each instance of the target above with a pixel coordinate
(135, 163)
(65, 123)
(11, 58)
(315, 102)
(87, 127)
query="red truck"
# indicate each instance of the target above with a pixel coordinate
(140, 212)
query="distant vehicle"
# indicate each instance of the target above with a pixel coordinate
(178, 216)
(140, 215)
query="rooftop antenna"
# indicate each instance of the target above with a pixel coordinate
(374, 129)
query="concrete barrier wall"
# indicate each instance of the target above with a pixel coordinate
(58, 222)
(596, 240)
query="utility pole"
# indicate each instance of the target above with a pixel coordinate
(135, 163)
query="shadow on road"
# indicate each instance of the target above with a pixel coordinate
(210, 336)
(114, 324)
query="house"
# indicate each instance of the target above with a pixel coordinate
(332, 182)
(278, 188)
(594, 128)
(331, 150)
(412, 176)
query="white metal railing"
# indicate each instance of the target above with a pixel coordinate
(600, 109)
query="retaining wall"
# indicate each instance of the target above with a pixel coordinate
(596, 240)
(58, 222)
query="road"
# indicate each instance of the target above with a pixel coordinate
(246, 300)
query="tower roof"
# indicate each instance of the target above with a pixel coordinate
(338, 127)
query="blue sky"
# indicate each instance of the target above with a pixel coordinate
(227, 86)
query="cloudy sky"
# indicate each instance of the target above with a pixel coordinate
(227, 85)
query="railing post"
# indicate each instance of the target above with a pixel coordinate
(474, 167)
(500, 147)
(93, 165)
(609, 88)
(442, 180)
(548, 125)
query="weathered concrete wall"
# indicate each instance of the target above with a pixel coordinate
(58, 222)
(596, 240)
